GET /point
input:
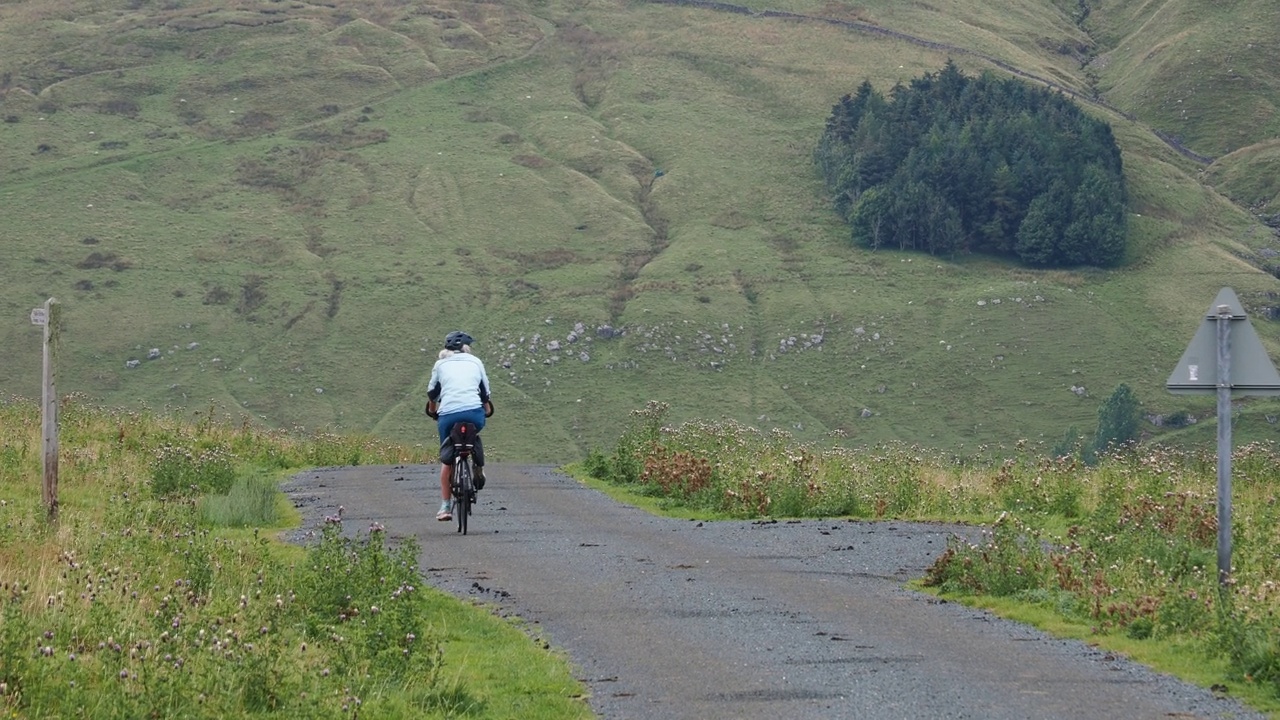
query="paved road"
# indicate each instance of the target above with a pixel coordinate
(668, 619)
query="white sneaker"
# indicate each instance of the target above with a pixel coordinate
(446, 511)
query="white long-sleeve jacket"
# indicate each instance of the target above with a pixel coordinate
(458, 382)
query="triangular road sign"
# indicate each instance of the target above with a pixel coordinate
(1251, 369)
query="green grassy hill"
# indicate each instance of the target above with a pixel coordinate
(292, 203)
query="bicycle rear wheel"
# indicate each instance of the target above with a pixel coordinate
(462, 495)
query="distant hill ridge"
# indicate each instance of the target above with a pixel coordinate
(874, 29)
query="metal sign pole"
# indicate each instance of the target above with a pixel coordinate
(1249, 372)
(1224, 444)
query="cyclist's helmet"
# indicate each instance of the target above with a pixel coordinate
(456, 339)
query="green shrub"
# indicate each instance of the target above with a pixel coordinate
(1010, 562)
(1251, 643)
(636, 443)
(369, 595)
(596, 465)
(184, 471)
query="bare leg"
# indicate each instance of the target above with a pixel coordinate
(446, 478)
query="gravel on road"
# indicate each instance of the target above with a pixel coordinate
(667, 619)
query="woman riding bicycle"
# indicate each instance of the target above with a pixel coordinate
(457, 392)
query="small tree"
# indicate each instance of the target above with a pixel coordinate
(1118, 419)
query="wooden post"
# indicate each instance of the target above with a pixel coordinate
(49, 411)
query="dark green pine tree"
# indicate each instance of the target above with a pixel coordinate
(871, 221)
(976, 165)
(1095, 235)
(1040, 234)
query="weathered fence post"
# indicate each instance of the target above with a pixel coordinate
(47, 316)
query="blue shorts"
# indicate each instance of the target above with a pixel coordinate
(475, 416)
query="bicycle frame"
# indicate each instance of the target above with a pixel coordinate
(463, 484)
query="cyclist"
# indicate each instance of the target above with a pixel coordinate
(458, 391)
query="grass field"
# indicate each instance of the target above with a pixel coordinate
(292, 204)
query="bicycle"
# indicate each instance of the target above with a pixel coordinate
(463, 485)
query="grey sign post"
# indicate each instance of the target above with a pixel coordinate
(1225, 358)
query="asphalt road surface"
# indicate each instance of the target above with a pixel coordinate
(669, 619)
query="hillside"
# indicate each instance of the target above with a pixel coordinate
(292, 203)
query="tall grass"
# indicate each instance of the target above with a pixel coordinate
(137, 603)
(250, 502)
(1125, 547)
(732, 469)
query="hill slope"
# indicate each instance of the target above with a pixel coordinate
(293, 203)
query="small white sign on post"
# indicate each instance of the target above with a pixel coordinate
(39, 316)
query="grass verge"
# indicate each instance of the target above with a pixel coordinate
(159, 592)
(1121, 553)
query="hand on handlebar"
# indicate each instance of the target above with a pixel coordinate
(431, 411)
(488, 408)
